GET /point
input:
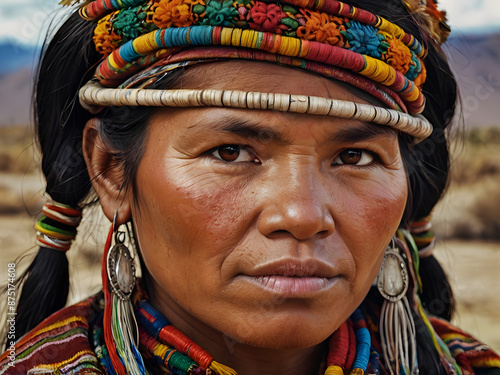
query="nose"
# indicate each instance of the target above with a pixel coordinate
(298, 203)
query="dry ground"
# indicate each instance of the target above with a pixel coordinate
(473, 269)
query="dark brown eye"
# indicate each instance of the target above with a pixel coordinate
(228, 153)
(354, 157)
(233, 153)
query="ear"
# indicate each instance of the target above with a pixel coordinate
(105, 174)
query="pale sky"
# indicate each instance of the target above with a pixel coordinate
(23, 20)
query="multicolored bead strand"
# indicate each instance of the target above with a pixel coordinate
(56, 228)
(363, 344)
(423, 235)
(160, 329)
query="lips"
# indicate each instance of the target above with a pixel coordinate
(294, 268)
(293, 277)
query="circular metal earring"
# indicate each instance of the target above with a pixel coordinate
(392, 279)
(397, 327)
(121, 268)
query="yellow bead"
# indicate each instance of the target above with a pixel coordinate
(253, 40)
(236, 38)
(289, 46)
(245, 38)
(356, 371)
(334, 370)
(371, 67)
(112, 62)
(391, 77)
(391, 28)
(413, 95)
(143, 44)
(225, 36)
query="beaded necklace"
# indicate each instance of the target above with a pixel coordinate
(163, 346)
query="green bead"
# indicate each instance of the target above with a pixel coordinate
(290, 22)
(198, 9)
(181, 362)
(290, 9)
(290, 33)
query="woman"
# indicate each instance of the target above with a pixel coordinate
(266, 166)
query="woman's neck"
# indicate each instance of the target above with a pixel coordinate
(250, 360)
(245, 359)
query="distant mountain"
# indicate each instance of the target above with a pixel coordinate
(14, 57)
(475, 60)
(15, 97)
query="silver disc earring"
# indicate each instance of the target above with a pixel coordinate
(397, 327)
(121, 275)
(121, 268)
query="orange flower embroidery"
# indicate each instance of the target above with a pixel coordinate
(420, 80)
(105, 39)
(172, 12)
(322, 27)
(398, 55)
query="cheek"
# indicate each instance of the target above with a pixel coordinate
(372, 210)
(188, 224)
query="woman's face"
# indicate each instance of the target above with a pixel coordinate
(268, 227)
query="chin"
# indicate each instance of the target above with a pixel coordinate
(287, 333)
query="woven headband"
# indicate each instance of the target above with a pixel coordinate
(141, 40)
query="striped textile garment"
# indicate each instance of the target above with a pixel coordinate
(58, 345)
(62, 345)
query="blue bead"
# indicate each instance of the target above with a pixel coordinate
(147, 326)
(154, 313)
(208, 40)
(153, 328)
(406, 84)
(196, 36)
(167, 38)
(128, 53)
(362, 349)
(416, 46)
(179, 37)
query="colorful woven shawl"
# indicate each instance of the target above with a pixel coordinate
(68, 343)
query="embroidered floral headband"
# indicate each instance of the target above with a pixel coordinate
(142, 39)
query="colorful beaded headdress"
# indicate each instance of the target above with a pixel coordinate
(142, 40)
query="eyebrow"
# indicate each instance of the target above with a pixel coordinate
(363, 132)
(250, 129)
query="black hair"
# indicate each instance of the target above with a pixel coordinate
(69, 61)
(427, 163)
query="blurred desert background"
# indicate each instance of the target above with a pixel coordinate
(467, 220)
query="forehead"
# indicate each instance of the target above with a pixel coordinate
(266, 77)
(183, 126)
